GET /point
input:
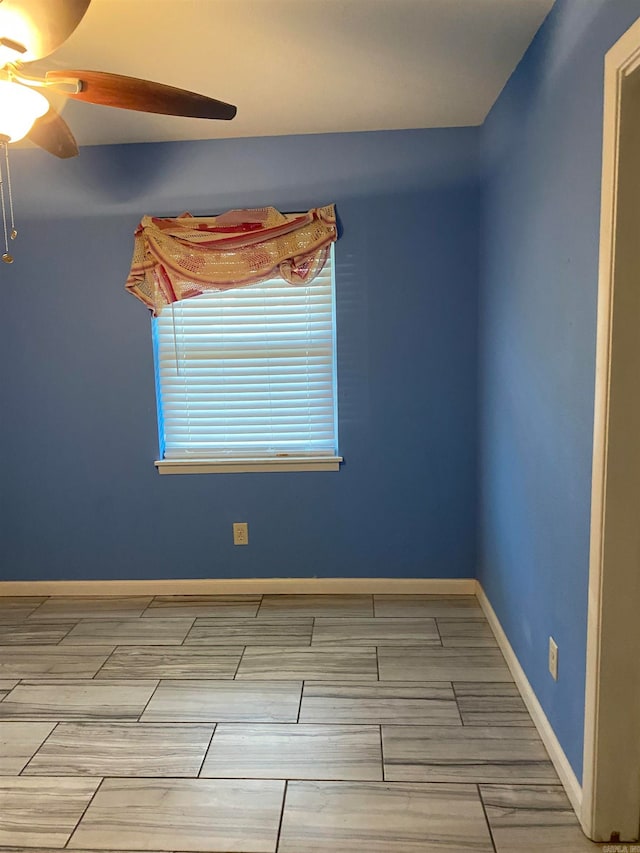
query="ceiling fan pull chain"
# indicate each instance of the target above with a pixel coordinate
(6, 256)
(14, 232)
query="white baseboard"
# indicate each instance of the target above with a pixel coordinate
(246, 586)
(551, 742)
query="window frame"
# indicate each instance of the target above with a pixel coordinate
(290, 462)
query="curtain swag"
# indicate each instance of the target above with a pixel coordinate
(179, 258)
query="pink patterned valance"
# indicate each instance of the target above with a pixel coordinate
(178, 258)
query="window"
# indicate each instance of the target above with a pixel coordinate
(245, 379)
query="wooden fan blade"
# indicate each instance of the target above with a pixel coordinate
(131, 93)
(52, 133)
(31, 29)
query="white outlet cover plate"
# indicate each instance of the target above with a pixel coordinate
(553, 658)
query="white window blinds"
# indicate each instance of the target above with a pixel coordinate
(248, 373)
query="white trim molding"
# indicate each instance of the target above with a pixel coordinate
(611, 779)
(246, 586)
(556, 753)
(247, 466)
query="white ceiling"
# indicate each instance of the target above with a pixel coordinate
(301, 66)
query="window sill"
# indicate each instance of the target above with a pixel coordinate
(246, 466)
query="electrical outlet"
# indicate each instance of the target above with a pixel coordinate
(553, 658)
(240, 533)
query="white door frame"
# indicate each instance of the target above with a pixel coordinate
(612, 727)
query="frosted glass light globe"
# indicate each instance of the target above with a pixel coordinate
(20, 106)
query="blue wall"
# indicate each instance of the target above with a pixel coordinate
(80, 497)
(542, 146)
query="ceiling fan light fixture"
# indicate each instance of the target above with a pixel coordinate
(20, 107)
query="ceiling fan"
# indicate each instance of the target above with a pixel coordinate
(31, 30)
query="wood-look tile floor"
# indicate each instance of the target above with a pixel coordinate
(274, 724)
